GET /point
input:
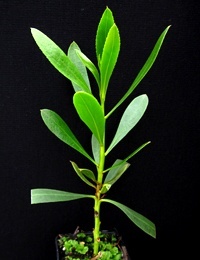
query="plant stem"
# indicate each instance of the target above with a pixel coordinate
(97, 223)
(97, 202)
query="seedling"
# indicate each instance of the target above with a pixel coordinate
(92, 111)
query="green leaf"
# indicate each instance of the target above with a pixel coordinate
(72, 54)
(115, 173)
(106, 22)
(89, 174)
(148, 64)
(129, 156)
(139, 220)
(59, 59)
(90, 112)
(95, 149)
(105, 188)
(91, 67)
(136, 151)
(130, 118)
(84, 172)
(109, 57)
(49, 195)
(60, 129)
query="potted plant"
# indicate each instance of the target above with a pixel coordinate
(92, 111)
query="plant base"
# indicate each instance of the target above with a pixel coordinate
(79, 246)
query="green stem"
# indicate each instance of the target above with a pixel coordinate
(97, 203)
(97, 224)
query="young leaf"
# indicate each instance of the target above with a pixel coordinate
(90, 112)
(106, 22)
(105, 188)
(48, 195)
(139, 220)
(88, 63)
(109, 56)
(130, 118)
(89, 174)
(60, 129)
(59, 59)
(72, 54)
(128, 157)
(84, 172)
(95, 149)
(148, 64)
(115, 173)
(136, 151)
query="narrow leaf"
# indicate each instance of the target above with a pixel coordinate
(106, 22)
(148, 64)
(95, 149)
(88, 63)
(136, 151)
(115, 173)
(128, 157)
(109, 56)
(60, 129)
(72, 54)
(82, 172)
(90, 112)
(139, 220)
(59, 59)
(49, 195)
(105, 188)
(89, 174)
(130, 118)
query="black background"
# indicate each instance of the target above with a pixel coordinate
(163, 180)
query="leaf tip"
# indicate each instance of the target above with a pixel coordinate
(33, 30)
